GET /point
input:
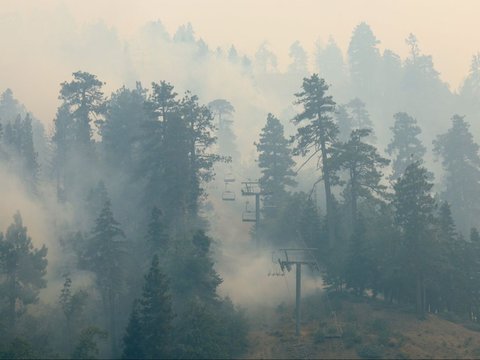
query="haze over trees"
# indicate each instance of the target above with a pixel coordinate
(126, 252)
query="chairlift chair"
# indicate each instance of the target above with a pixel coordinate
(228, 195)
(248, 215)
(229, 178)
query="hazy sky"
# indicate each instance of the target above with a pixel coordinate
(446, 29)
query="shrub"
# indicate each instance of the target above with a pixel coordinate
(370, 352)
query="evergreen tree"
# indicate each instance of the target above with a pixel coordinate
(157, 236)
(317, 135)
(19, 140)
(72, 304)
(414, 208)
(83, 97)
(470, 89)
(23, 269)
(362, 162)
(298, 55)
(359, 114)
(275, 162)
(156, 313)
(87, 347)
(194, 268)
(359, 266)
(344, 121)
(405, 147)
(103, 257)
(461, 163)
(363, 59)
(10, 108)
(149, 331)
(199, 122)
(330, 63)
(133, 340)
(223, 110)
(121, 129)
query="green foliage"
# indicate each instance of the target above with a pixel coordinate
(87, 347)
(149, 331)
(23, 269)
(461, 162)
(223, 111)
(275, 161)
(83, 97)
(317, 136)
(17, 349)
(209, 331)
(351, 337)
(371, 351)
(404, 146)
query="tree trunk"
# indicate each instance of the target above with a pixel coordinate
(420, 302)
(12, 302)
(112, 330)
(328, 196)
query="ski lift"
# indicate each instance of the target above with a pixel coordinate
(228, 195)
(248, 215)
(229, 178)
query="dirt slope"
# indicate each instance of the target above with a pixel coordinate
(356, 328)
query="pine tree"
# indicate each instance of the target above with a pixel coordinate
(461, 162)
(83, 97)
(121, 129)
(156, 313)
(133, 341)
(104, 258)
(362, 162)
(200, 128)
(359, 114)
(405, 147)
(149, 331)
(317, 135)
(363, 59)
(223, 111)
(157, 236)
(23, 269)
(275, 162)
(19, 140)
(414, 208)
(358, 272)
(298, 55)
(72, 304)
(344, 122)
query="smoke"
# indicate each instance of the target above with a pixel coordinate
(250, 277)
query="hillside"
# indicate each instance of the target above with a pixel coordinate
(369, 328)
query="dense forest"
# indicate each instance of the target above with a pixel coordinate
(369, 159)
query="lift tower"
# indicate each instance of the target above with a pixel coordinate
(298, 257)
(252, 188)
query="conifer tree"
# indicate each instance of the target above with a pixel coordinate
(461, 163)
(414, 208)
(362, 162)
(133, 340)
(121, 128)
(103, 257)
(405, 147)
(149, 331)
(344, 122)
(157, 236)
(317, 135)
(223, 111)
(275, 162)
(23, 269)
(363, 59)
(83, 97)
